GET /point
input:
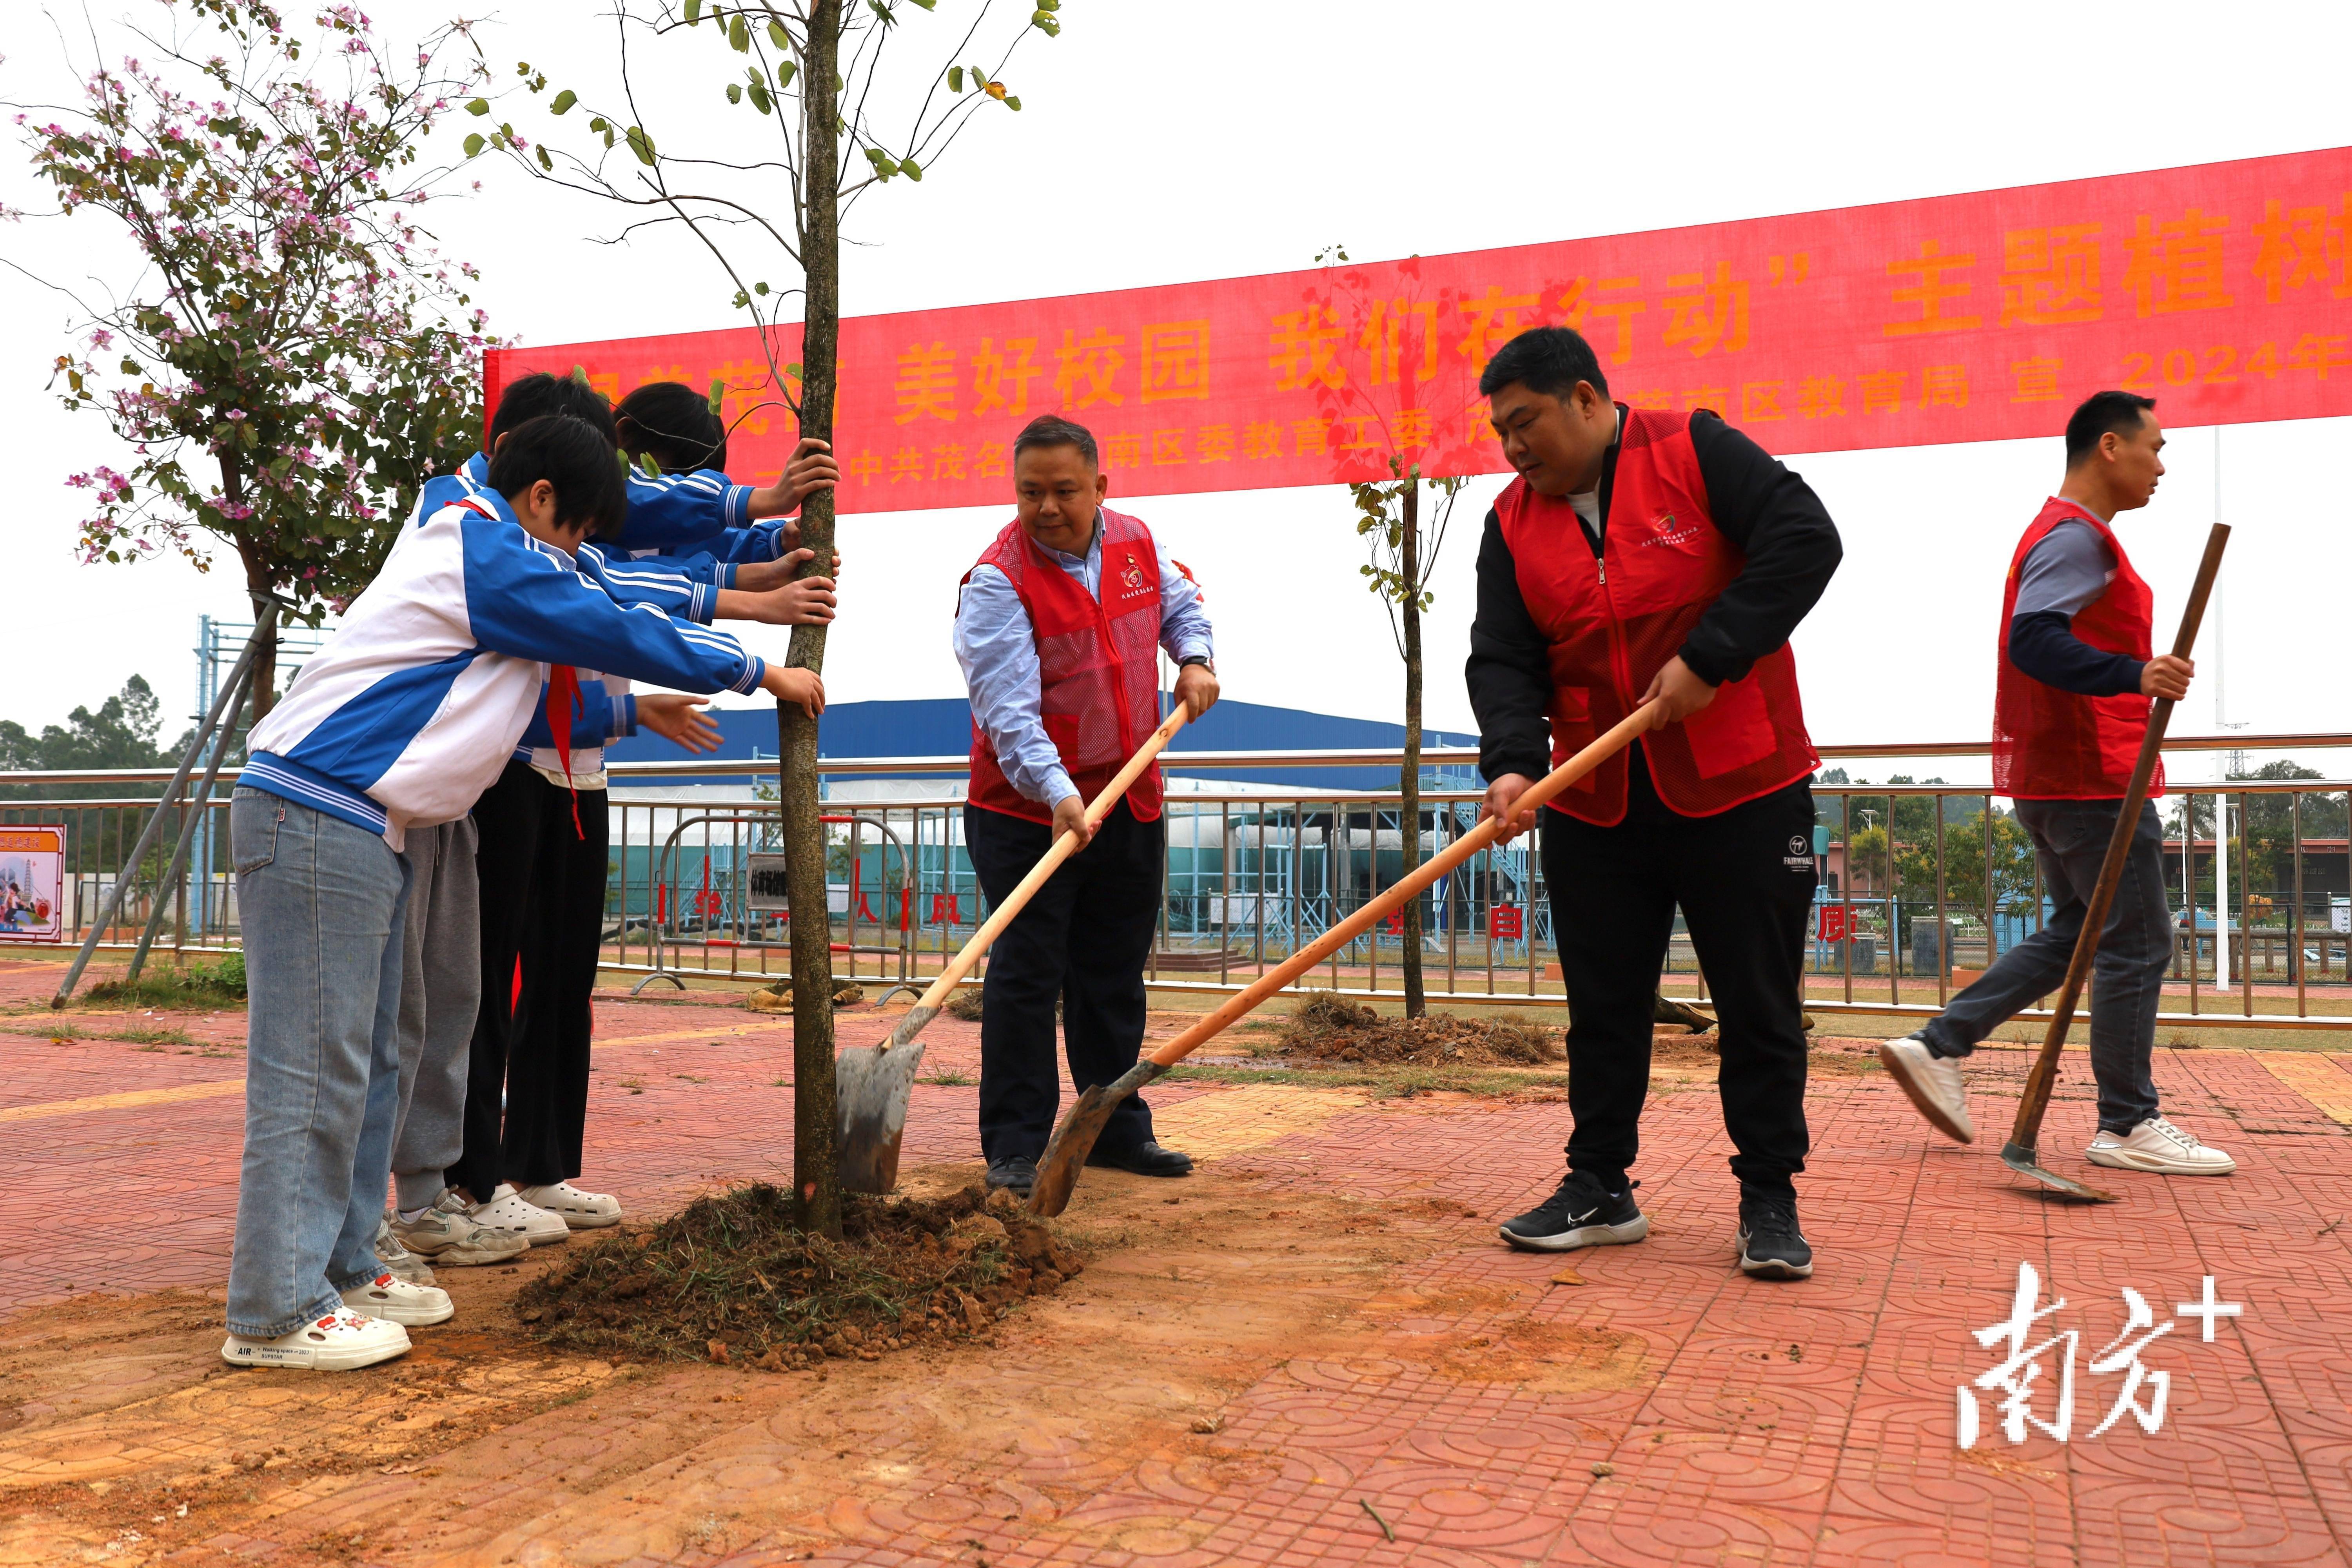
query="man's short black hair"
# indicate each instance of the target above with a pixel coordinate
(540, 393)
(574, 457)
(1053, 430)
(671, 423)
(1547, 360)
(2121, 411)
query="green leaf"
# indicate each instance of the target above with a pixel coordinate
(778, 36)
(739, 34)
(563, 102)
(760, 98)
(793, 370)
(1044, 23)
(642, 146)
(693, 13)
(735, 92)
(474, 145)
(955, 78)
(479, 106)
(908, 167)
(785, 70)
(718, 394)
(598, 124)
(545, 162)
(647, 461)
(927, 4)
(580, 375)
(759, 288)
(1013, 104)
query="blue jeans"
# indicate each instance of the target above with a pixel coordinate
(2127, 977)
(322, 903)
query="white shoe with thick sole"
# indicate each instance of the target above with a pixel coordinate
(396, 1300)
(580, 1211)
(509, 1212)
(2157, 1145)
(341, 1341)
(1932, 1083)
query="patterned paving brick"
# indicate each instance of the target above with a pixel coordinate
(1655, 1408)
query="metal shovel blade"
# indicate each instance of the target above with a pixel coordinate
(2020, 1158)
(870, 1086)
(1074, 1140)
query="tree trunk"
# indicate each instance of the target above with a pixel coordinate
(1416, 1003)
(816, 1158)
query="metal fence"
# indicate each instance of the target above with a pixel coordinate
(1920, 885)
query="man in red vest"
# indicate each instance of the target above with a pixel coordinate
(1642, 555)
(2077, 670)
(1058, 629)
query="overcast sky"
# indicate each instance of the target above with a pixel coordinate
(1160, 143)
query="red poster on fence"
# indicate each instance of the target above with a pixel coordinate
(2223, 288)
(1834, 923)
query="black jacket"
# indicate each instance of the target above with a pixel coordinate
(1770, 514)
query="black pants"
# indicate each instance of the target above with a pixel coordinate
(1744, 879)
(1084, 940)
(543, 904)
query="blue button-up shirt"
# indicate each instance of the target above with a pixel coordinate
(997, 649)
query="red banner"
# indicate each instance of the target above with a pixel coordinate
(2224, 289)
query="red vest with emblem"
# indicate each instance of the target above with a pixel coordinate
(1614, 622)
(1099, 661)
(2048, 745)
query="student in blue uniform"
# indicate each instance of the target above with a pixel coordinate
(399, 723)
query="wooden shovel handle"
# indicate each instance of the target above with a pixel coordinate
(2045, 1076)
(1363, 920)
(1065, 846)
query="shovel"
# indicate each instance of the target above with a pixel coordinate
(1057, 1170)
(2018, 1153)
(871, 1083)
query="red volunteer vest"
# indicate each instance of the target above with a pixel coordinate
(1099, 665)
(2048, 745)
(1613, 623)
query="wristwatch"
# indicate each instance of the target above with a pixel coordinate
(1203, 659)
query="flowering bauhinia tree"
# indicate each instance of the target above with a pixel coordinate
(295, 359)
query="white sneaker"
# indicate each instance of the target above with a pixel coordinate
(2157, 1145)
(580, 1211)
(396, 1300)
(508, 1212)
(447, 1234)
(1933, 1082)
(402, 1263)
(341, 1341)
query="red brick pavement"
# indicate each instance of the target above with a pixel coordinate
(1689, 1416)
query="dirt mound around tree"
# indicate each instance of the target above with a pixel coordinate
(1326, 1027)
(731, 1280)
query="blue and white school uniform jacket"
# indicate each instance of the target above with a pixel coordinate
(606, 710)
(697, 518)
(408, 714)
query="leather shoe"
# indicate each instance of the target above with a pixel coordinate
(1014, 1174)
(1146, 1159)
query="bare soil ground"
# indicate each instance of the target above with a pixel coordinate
(124, 1438)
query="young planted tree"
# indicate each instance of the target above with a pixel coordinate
(294, 359)
(836, 110)
(1404, 539)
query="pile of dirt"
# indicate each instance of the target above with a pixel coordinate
(778, 998)
(963, 1002)
(1328, 1027)
(730, 1279)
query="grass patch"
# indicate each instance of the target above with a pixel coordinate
(949, 1077)
(194, 985)
(730, 1279)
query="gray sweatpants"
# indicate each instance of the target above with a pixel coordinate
(440, 991)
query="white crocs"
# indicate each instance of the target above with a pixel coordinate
(508, 1211)
(580, 1211)
(396, 1300)
(341, 1341)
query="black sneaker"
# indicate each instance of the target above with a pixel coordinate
(1582, 1213)
(1016, 1176)
(1146, 1159)
(1770, 1244)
